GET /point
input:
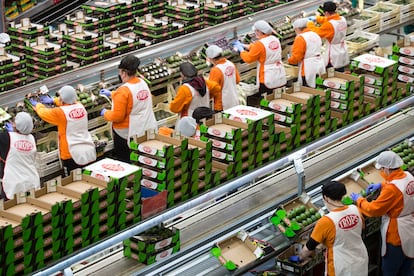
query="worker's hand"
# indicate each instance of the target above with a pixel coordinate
(103, 111)
(9, 127)
(312, 18)
(238, 46)
(105, 92)
(295, 259)
(355, 196)
(373, 187)
(45, 99)
(33, 101)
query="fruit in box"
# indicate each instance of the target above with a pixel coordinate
(406, 152)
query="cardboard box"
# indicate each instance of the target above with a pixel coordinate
(373, 63)
(237, 251)
(153, 202)
(282, 260)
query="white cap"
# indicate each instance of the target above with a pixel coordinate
(4, 38)
(300, 23)
(68, 94)
(263, 27)
(388, 159)
(213, 51)
(187, 126)
(23, 122)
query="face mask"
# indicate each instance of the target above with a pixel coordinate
(209, 64)
(119, 78)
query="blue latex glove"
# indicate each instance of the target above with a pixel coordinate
(238, 46)
(373, 187)
(312, 18)
(45, 99)
(33, 101)
(103, 111)
(355, 196)
(9, 127)
(295, 259)
(105, 92)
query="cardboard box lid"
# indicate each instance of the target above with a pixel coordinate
(246, 113)
(6, 221)
(374, 61)
(112, 168)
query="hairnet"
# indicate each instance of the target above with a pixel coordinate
(24, 123)
(188, 69)
(388, 159)
(329, 6)
(187, 126)
(300, 23)
(334, 190)
(263, 27)
(130, 63)
(68, 94)
(213, 51)
(202, 112)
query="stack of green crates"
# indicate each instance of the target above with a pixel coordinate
(153, 29)
(380, 78)
(216, 12)
(260, 146)
(24, 5)
(404, 54)
(347, 97)
(88, 23)
(124, 192)
(200, 166)
(10, 254)
(153, 245)
(258, 5)
(189, 14)
(84, 47)
(120, 44)
(137, 8)
(12, 70)
(25, 31)
(108, 14)
(165, 165)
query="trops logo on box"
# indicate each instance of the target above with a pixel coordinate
(113, 167)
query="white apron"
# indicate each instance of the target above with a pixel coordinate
(405, 220)
(20, 173)
(336, 50)
(196, 101)
(229, 93)
(313, 61)
(142, 116)
(350, 255)
(80, 143)
(274, 71)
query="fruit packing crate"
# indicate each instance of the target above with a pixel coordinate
(406, 9)
(368, 21)
(25, 30)
(389, 14)
(368, 42)
(47, 155)
(163, 115)
(152, 245)
(12, 69)
(403, 52)
(303, 268)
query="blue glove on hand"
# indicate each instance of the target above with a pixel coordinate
(33, 101)
(373, 187)
(45, 99)
(9, 127)
(105, 92)
(355, 196)
(295, 259)
(238, 46)
(312, 18)
(103, 111)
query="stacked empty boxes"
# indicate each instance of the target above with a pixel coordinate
(12, 70)
(216, 12)
(120, 44)
(189, 14)
(164, 161)
(29, 246)
(380, 79)
(136, 8)
(258, 5)
(153, 29)
(403, 52)
(124, 190)
(24, 5)
(153, 245)
(347, 98)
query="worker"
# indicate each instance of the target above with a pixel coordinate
(333, 28)
(225, 73)
(187, 126)
(202, 112)
(267, 52)
(306, 51)
(131, 113)
(395, 204)
(340, 231)
(194, 92)
(76, 148)
(18, 172)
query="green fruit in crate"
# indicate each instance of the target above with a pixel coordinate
(312, 210)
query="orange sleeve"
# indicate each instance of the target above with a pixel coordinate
(166, 131)
(326, 30)
(237, 75)
(216, 75)
(321, 19)
(257, 52)
(390, 202)
(298, 51)
(121, 108)
(182, 100)
(56, 116)
(215, 93)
